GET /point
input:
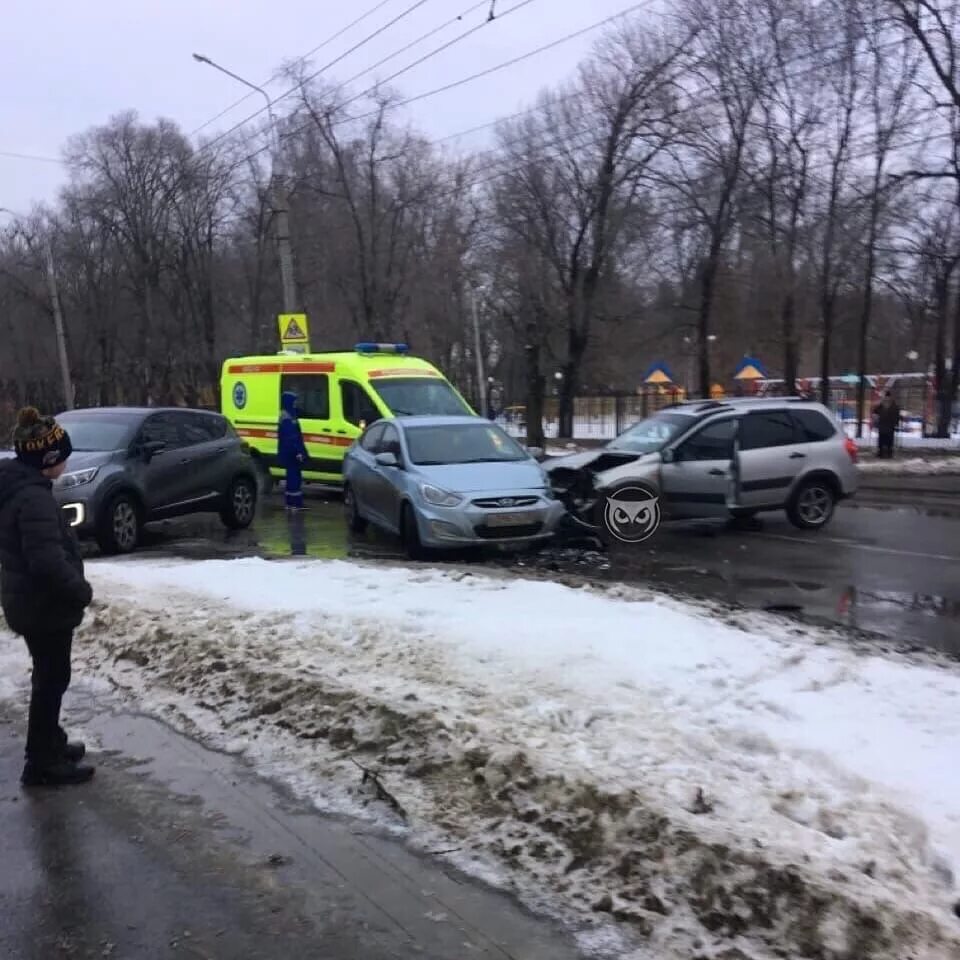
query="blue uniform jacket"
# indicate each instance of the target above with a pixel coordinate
(290, 443)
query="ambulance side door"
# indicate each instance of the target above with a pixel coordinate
(313, 404)
(357, 408)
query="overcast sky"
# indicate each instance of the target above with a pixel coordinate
(67, 66)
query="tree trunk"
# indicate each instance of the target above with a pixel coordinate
(865, 317)
(703, 326)
(940, 356)
(535, 387)
(789, 343)
(576, 348)
(825, 344)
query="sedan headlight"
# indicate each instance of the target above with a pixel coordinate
(438, 497)
(77, 479)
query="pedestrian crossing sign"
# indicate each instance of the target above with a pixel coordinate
(295, 332)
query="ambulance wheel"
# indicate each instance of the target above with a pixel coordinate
(240, 505)
(355, 522)
(410, 534)
(120, 525)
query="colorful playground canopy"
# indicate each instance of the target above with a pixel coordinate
(750, 368)
(658, 372)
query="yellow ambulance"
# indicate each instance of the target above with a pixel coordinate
(339, 394)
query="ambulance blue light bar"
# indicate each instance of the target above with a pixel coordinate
(382, 348)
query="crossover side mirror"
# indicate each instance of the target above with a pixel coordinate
(535, 452)
(668, 455)
(150, 449)
(387, 459)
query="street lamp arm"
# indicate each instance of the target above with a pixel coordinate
(200, 58)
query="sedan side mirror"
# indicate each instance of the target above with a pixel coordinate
(387, 460)
(535, 452)
(668, 456)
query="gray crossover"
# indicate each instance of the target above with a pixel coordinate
(720, 458)
(131, 466)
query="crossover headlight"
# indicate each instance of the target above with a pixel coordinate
(77, 479)
(438, 497)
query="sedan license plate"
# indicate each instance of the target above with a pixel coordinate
(517, 519)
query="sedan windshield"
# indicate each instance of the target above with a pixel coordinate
(99, 433)
(652, 434)
(419, 396)
(462, 443)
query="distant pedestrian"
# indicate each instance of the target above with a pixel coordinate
(887, 418)
(291, 450)
(43, 590)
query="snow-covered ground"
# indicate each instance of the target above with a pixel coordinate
(673, 780)
(913, 465)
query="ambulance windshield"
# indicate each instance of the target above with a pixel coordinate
(419, 397)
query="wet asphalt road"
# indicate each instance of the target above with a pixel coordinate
(175, 851)
(888, 563)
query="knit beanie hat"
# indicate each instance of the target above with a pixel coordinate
(40, 441)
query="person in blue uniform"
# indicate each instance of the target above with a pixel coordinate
(291, 450)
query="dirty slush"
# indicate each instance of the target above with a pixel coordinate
(626, 872)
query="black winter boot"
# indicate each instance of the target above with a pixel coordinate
(59, 773)
(75, 751)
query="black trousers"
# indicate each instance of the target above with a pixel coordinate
(885, 444)
(51, 677)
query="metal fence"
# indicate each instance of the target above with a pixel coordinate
(603, 418)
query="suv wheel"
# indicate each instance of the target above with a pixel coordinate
(120, 526)
(355, 522)
(240, 506)
(812, 505)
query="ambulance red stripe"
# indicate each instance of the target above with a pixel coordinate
(249, 368)
(318, 438)
(403, 372)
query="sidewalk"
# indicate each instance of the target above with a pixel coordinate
(187, 855)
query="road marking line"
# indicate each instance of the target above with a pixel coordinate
(859, 546)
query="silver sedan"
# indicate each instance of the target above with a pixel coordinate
(447, 482)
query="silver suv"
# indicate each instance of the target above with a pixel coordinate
(132, 465)
(721, 458)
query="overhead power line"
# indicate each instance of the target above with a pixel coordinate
(31, 156)
(413, 43)
(506, 64)
(427, 56)
(464, 80)
(301, 59)
(317, 73)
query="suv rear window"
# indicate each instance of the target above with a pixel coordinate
(770, 428)
(201, 427)
(812, 426)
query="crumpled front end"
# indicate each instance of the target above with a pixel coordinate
(578, 481)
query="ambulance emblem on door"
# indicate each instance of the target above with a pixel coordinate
(239, 396)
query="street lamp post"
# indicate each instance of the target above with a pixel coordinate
(278, 192)
(477, 347)
(52, 288)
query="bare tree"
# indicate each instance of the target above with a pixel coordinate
(579, 173)
(890, 82)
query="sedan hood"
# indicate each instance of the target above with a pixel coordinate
(485, 477)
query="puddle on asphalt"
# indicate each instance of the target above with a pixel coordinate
(320, 532)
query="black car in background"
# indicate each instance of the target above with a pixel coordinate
(131, 466)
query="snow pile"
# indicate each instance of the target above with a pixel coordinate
(636, 763)
(913, 465)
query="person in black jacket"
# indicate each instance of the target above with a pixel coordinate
(43, 590)
(886, 416)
